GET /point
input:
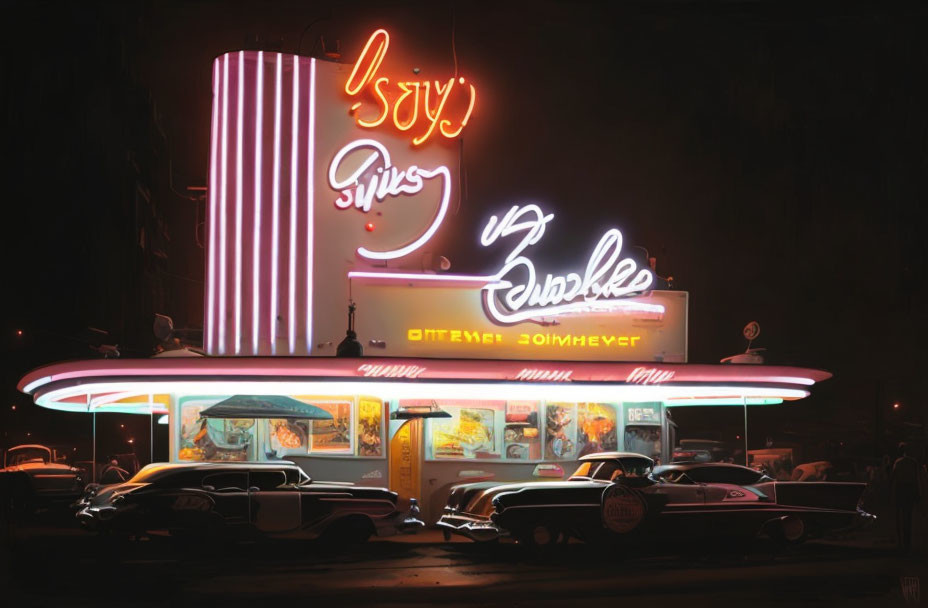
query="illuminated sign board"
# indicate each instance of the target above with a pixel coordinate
(334, 181)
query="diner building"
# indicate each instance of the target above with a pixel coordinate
(331, 188)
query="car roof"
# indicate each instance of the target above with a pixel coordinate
(688, 466)
(218, 466)
(613, 455)
(29, 445)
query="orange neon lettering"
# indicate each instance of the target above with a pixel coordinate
(470, 108)
(363, 78)
(374, 64)
(378, 91)
(399, 102)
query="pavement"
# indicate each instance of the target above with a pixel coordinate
(55, 564)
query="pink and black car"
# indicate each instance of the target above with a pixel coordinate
(622, 497)
(244, 500)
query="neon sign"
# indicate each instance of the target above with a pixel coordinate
(404, 99)
(607, 279)
(366, 184)
(649, 375)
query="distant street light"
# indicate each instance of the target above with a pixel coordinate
(19, 333)
(13, 407)
(122, 426)
(131, 440)
(896, 406)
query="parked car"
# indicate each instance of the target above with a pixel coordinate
(701, 450)
(247, 499)
(617, 497)
(38, 476)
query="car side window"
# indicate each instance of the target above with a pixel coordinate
(608, 470)
(268, 480)
(226, 481)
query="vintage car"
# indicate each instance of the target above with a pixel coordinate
(616, 496)
(244, 499)
(39, 477)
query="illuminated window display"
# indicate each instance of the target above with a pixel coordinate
(331, 436)
(287, 437)
(596, 428)
(561, 431)
(210, 439)
(522, 434)
(369, 429)
(471, 432)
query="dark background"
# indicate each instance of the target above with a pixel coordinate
(770, 155)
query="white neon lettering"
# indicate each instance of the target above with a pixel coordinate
(369, 370)
(554, 375)
(259, 144)
(607, 278)
(376, 179)
(649, 375)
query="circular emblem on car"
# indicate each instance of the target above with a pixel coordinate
(623, 508)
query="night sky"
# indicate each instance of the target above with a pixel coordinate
(771, 156)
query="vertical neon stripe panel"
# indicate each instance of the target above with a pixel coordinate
(260, 226)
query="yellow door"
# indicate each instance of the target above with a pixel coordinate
(404, 460)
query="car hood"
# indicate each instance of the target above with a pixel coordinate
(477, 498)
(39, 467)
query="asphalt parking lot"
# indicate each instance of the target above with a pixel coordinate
(54, 564)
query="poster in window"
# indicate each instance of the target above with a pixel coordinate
(287, 437)
(596, 428)
(333, 436)
(469, 433)
(521, 437)
(211, 439)
(370, 428)
(561, 431)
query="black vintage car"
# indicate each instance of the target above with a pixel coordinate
(617, 497)
(244, 499)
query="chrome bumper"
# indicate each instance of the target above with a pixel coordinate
(475, 528)
(403, 523)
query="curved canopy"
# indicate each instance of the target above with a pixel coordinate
(265, 406)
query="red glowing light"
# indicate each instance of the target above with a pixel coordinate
(369, 226)
(19, 332)
(895, 406)
(13, 407)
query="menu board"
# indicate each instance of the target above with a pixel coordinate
(370, 427)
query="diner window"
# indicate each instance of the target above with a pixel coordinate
(287, 437)
(596, 428)
(644, 440)
(470, 433)
(332, 436)
(213, 439)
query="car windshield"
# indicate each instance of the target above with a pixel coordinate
(24, 455)
(584, 469)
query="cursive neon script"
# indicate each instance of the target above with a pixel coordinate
(376, 179)
(608, 278)
(434, 96)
